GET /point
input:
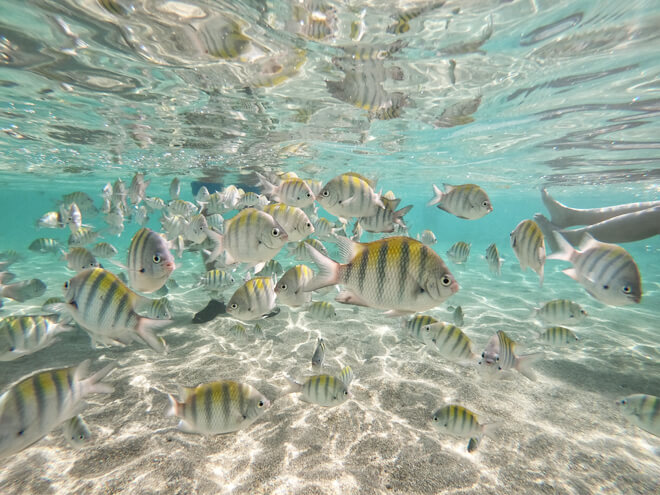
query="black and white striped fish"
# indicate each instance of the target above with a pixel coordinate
(529, 246)
(324, 390)
(493, 259)
(22, 335)
(500, 354)
(459, 252)
(467, 201)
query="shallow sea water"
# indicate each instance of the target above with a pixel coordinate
(569, 101)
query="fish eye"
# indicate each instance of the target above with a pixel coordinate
(445, 281)
(606, 287)
(627, 289)
(66, 284)
(325, 193)
(435, 418)
(275, 232)
(156, 258)
(283, 286)
(308, 195)
(233, 306)
(624, 402)
(260, 403)
(483, 354)
(485, 203)
(309, 225)
(345, 392)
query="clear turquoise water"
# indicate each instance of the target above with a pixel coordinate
(573, 108)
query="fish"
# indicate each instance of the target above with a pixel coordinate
(459, 252)
(449, 340)
(156, 309)
(180, 207)
(252, 200)
(210, 311)
(196, 229)
(138, 188)
(529, 247)
(427, 237)
(415, 326)
(459, 113)
(23, 291)
(324, 228)
(293, 220)
(252, 237)
(386, 219)
(493, 259)
(404, 17)
(607, 271)
(349, 195)
(238, 330)
(174, 225)
(10, 256)
(324, 390)
(300, 250)
(202, 195)
(215, 221)
(253, 300)
(104, 250)
(141, 216)
(291, 192)
(37, 404)
(221, 37)
(319, 354)
(76, 432)
(397, 274)
(149, 262)
(79, 259)
(213, 408)
(106, 309)
(44, 245)
(6, 277)
(215, 280)
(461, 422)
(561, 312)
(473, 444)
(558, 336)
(23, 335)
(155, 203)
(500, 351)
(71, 216)
(83, 200)
(175, 189)
(458, 315)
(50, 220)
(272, 268)
(322, 310)
(466, 201)
(119, 194)
(357, 232)
(643, 411)
(83, 236)
(290, 289)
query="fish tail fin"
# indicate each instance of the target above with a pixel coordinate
(398, 215)
(218, 240)
(347, 375)
(292, 386)
(437, 196)
(524, 364)
(490, 429)
(93, 385)
(175, 406)
(328, 271)
(268, 188)
(145, 329)
(565, 251)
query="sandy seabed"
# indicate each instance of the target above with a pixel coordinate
(559, 434)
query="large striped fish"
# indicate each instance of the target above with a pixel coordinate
(33, 407)
(350, 195)
(22, 335)
(291, 192)
(324, 390)
(290, 289)
(606, 271)
(253, 300)
(561, 312)
(467, 201)
(293, 220)
(218, 407)
(500, 354)
(642, 410)
(150, 262)
(106, 309)
(529, 246)
(449, 340)
(398, 274)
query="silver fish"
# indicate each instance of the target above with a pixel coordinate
(79, 259)
(322, 310)
(23, 335)
(386, 219)
(293, 220)
(561, 312)
(138, 188)
(76, 432)
(324, 390)
(83, 236)
(50, 220)
(493, 259)
(416, 326)
(44, 245)
(350, 195)
(466, 201)
(643, 411)
(253, 300)
(149, 262)
(23, 291)
(104, 250)
(459, 252)
(529, 247)
(449, 340)
(290, 289)
(215, 280)
(500, 352)
(319, 354)
(558, 336)
(427, 237)
(175, 189)
(460, 421)
(292, 192)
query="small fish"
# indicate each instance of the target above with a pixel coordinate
(119, 194)
(606, 271)
(417, 324)
(215, 221)
(403, 18)
(238, 331)
(324, 227)
(196, 229)
(149, 263)
(104, 250)
(427, 238)
(23, 335)
(293, 220)
(50, 220)
(44, 245)
(221, 37)
(319, 354)
(386, 219)
(215, 280)
(528, 245)
(180, 207)
(300, 250)
(643, 411)
(272, 268)
(449, 340)
(202, 195)
(79, 259)
(83, 200)
(459, 113)
(324, 390)
(397, 274)
(138, 188)
(500, 350)
(461, 422)
(466, 201)
(290, 289)
(174, 225)
(322, 310)
(292, 192)
(76, 432)
(6, 277)
(357, 232)
(252, 237)
(106, 309)
(83, 236)
(36, 405)
(141, 216)
(23, 291)
(175, 189)
(252, 200)
(459, 317)
(459, 252)
(253, 300)
(350, 195)
(558, 336)
(473, 444)
(155, 203)
(157, 309)
(493, 259)
(218, 407)
(561, 312)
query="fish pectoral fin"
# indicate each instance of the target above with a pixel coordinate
(571, 272)
(347, 296)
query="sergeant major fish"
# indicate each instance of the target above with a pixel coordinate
(149, 262)
(529, 247)
(500, 354)
(459, 252)
(253, 300)
(561, 312)
(643, 411)
(460, 421)
(23, 335)
(319, 354)
(493, 259)
(292, 192)
(290, 289)
(466, 201)
(76, 432)
(350, 195)
(324, 390)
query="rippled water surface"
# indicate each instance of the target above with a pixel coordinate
(511, 95)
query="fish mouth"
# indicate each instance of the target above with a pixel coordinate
(169, 266)
(454, 287)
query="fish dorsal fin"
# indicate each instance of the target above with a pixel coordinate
(346, 375)
(348, 249)
(588, 242)
(505, 340)
(448, 187)
(372, 183)
(390, 204)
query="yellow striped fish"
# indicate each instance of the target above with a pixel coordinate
(449, 340)
(322, 310)
(215, 280)
(459, 252)
(254, 299)
(290, 289)
(50, 220)
(36, 405)
(293, 220)
(529, 246)
(324, 390)
(561, 312)
(44, 245)
(79, 259)
(403, 18)
(76, 432)
(460, 421)
(386, 219)
(558, 336)
(319, 354)
(493, 259)
(221, 37)
(106, 309)
(642, 410)
(499, 355)
(349, 195)
(466, 201)
(300, 250)
(292, 191)
(416, 324)
(82, 236)
(606, 271)
(149, 261)
(398, 274)
(218, 407)
(22, 335)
